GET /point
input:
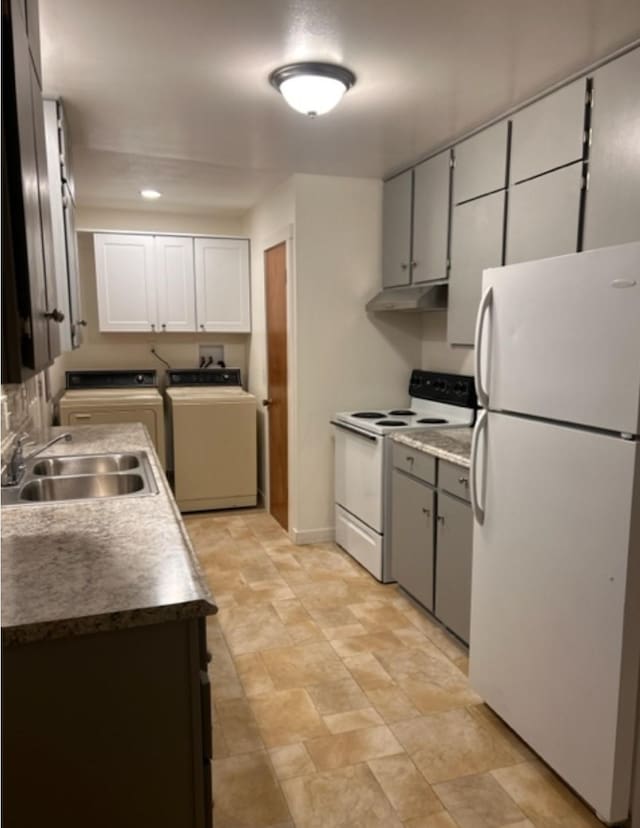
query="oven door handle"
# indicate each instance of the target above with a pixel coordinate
(370, 437)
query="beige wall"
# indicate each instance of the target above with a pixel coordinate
(218, 224)
(268, 223)
(345, 358)
(437, 354)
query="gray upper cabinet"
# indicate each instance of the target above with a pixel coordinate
(477, 230)
(431, 208)
(454, 564)
(613, 197)
(396, 240)
(544, 215)
(481, 163)
(549, 133)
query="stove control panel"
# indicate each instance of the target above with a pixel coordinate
(204, 376)
(453, 389)
(111, 379)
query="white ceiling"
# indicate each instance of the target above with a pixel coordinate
(173, 94)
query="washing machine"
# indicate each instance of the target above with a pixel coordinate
(103, 397)
(214, 427)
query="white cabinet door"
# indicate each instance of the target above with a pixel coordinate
(175, 283)
(125, 280)
(222, 285)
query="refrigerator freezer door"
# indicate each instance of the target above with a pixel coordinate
(561, 339)
(555, 611)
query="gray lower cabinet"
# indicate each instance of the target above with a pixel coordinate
(543, 216)
(477, 231)
(613, 198)
(431, 208)
(453, 564)
(396, 238)
(412, 536)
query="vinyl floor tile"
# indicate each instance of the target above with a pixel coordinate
(337, 703)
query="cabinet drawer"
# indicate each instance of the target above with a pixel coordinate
(415, 462)
(454, 479)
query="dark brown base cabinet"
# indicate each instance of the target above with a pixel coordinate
(432, 536)
(108, 730)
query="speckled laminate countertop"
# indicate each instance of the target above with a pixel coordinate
(88, 566)
(452, 444)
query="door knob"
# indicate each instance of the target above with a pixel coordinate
(55, 315)
(267, 402)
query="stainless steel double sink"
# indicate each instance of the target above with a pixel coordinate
(82, 477)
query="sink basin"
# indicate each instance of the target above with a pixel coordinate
(97, 464)
(82, 477)
(80, 488)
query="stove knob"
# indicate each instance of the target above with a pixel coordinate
(459, 387)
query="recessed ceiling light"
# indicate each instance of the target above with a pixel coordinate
(150, 194)
(312, 88)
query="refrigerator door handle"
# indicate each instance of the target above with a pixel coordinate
(478, 510)
(485, 304)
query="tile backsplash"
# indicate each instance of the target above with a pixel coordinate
(23, 407)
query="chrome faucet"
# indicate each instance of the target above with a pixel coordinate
(13, 472)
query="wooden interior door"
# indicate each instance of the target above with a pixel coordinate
(275, 267)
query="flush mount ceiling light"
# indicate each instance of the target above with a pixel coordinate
(150, 194)
(312, 88)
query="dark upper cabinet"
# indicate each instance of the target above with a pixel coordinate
(613, 194)
(29, 335)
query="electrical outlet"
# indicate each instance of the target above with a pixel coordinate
(210, 355)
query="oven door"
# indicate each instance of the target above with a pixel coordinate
(359, 460)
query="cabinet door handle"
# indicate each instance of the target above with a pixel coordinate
(464, 481)
(426, 511)
(153, 327)
(202, 327)
(82, 323)
(164, 326)
(55, 315)
(441, 519)
(404, 265)
(414, 264)
(410, 459)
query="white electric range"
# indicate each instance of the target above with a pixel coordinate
(363, 461)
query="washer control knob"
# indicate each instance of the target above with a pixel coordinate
(139, 379)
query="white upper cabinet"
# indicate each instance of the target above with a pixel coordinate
(222, 285)
(481, 163)
(175, 283)
(549, 133)
(125, 280)
(172, 284)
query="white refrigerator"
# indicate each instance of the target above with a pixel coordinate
(555, 616)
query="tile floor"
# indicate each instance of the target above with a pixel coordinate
(338, 703)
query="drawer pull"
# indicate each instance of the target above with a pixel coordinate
(463, 481)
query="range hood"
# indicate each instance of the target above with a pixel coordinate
(417, 298)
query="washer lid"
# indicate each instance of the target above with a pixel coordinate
(205, 394)
(112, 396)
